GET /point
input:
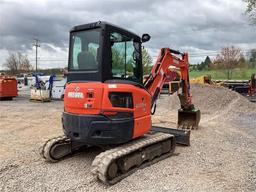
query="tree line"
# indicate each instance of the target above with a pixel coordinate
(17, 63)
(227, 60)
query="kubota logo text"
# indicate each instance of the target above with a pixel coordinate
(79, 95)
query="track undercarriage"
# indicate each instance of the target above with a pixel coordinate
(120, 161)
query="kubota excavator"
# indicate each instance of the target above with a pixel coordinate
(106, 103)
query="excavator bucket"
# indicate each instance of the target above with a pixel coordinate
(188, 119)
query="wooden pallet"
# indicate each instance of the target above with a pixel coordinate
(40, 100)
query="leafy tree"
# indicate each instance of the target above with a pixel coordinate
(193, 67)
(200, 66)
(251, 9)
(228, 59)
(242, 62)
(118, 61)
(207, 62)
(16, 63)
(146, 61)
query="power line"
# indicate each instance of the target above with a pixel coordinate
(49, 60)
(207, 53)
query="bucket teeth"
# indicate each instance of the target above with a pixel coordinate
(188, 119)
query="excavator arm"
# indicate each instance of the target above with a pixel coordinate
(188, 115)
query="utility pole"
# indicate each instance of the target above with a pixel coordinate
(36, 44)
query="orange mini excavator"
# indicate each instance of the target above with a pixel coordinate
(106, 103)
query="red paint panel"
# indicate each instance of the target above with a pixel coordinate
(83, 98)
(8, 86)
(142, 125)
(76, 100)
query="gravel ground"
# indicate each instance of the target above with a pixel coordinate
(222, 155)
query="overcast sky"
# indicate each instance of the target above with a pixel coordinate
(200, 27)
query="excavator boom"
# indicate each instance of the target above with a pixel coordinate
(188, 115)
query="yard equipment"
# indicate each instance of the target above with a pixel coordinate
(172, 81)
(247, 88)
(106, 103)
(8, 87)
(205, 79)
(173, 86)
(252, 86)
(41, 91)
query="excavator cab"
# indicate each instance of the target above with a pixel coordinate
(101, 51)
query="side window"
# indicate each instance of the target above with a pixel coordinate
(125, 57)
(76, 50)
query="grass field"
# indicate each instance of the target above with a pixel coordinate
(237, 74)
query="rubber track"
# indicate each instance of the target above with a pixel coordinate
(45, 151)
(104, 159)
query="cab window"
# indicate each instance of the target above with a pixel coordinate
(84, 50)
(124, 57)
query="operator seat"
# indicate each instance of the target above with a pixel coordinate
(86, 60)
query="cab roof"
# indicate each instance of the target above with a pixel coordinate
(99, 24)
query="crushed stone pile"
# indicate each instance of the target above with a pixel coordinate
(210, 99)
(213, 102)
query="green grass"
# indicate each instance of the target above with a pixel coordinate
(237, 74)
